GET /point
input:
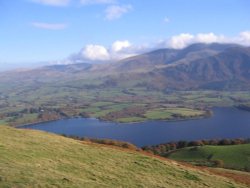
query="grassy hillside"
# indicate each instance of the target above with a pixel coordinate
(30, 158)
(235, 156)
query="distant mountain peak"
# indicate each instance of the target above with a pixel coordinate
(198, 66)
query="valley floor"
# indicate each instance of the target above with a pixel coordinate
(117, 104)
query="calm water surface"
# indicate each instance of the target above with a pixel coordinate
(225, 123)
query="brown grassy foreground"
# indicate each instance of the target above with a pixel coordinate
(241, 177)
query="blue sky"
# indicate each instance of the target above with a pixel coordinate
(49, 30)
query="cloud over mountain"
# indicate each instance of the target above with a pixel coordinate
(184, 39)
(95, 52)
(121, 49)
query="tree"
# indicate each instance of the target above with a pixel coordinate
(182, 144)
(195, 143)
(225, 142)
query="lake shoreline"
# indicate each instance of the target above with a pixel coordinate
(209, 114)
(243, 107)
(220, 125)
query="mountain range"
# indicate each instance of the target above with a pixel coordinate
(198, 66)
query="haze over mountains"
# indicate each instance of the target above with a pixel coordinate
(198, 66)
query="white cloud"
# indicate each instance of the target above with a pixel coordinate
(244, 38)
(120, 45)
(184, 39)
(209, 38)
(49, 26)
(166, 20)
(91, 2)
(118, 50)
(122, 49)
(53, 2)
(116, 11)
(180, 41)
(95, 52)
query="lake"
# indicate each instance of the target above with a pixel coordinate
(225, 123)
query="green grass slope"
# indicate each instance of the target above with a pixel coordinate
(234, 156)
(31, 158)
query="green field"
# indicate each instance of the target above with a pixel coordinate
(172, 113)
(233, 156)
(31, 158)
(88, 98)
(2, 122)
(130, 119)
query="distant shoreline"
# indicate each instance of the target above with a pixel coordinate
(207, 115)
(243, 107)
